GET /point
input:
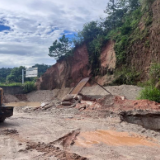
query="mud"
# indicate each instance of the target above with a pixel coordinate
(112, 138)
(68, 139)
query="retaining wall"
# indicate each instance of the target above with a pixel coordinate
(12, 90)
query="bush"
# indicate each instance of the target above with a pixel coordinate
(154, 73)
(29, 87)
(126, 76)
(150, 93)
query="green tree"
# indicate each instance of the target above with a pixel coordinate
(4, 72)
(15, 75)
(146, 3)
(90, 31)
(60, 48)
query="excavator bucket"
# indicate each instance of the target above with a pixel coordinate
(79, 86)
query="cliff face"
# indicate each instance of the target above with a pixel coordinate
(68, 72)
(147, 50)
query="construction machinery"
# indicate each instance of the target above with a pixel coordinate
(5, 111)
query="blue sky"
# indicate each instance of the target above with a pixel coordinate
(28, 28)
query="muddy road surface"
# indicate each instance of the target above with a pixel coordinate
(64, 134)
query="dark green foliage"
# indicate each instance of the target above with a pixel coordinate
(15, 75)
(123, 36)
(126, 76)
(29, 86)
(133, 4)
(4, 72)
(60, 48)
(94, 49)
(91, 31)
(126, 30)
(150, 93)
(11, 75)
(154, 73)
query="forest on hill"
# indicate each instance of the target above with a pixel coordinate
(10, 75)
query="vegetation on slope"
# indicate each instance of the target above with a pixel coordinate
(120, 25)
(151, 89)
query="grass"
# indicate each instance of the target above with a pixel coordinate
(10, 84)
(27, 86)
(150, 93)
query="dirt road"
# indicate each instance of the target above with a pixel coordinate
(65, 135)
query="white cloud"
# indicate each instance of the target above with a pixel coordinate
(35, 24)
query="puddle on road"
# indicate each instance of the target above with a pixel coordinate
(112, 138)
(22, 104)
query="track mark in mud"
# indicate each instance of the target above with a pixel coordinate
(68, 139)
(8, 132)
(113, 138)
(51, 150)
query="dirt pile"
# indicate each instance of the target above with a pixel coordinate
(142, 112)
(21, 97)
(10, 98)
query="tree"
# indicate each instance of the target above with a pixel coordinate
(134, 4)
(4, 72)
(146, 3)
(91, 31)
(15, 75)
(111, 9)
(60, 48)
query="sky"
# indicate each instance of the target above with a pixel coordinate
(28, 28)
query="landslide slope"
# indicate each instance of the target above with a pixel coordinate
(68, 72)
(136, 50)
(145, 46)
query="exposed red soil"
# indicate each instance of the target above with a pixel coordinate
(112, 138)
(68, 72)
(117, 104)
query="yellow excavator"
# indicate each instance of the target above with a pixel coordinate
(5, 111)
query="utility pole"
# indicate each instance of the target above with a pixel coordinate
(22, 76)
